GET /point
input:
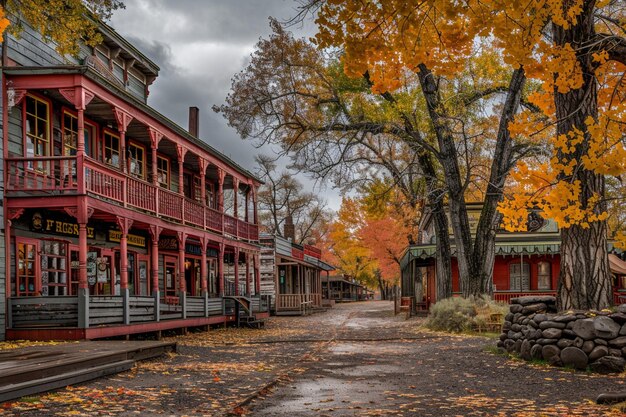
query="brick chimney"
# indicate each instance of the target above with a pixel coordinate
(289, 230)
(194, 121)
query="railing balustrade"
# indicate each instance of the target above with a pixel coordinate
(506, 296)
(57, 174)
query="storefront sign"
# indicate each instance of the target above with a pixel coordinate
(133, 240)
(59, 227)
(171, 243)
(168, 243)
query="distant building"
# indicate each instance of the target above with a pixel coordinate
(291, 275)
(527, 263)
(343, 288)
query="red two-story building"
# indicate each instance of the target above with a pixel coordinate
(116, 220)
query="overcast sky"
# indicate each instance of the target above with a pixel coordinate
(199, 45)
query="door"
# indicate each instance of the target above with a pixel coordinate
(104, 273)
(171, 275)
(74, 269)
(143, 275)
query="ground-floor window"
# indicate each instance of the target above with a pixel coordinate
(544, 276)
(519, 277)
(54, 268)
(26, 278)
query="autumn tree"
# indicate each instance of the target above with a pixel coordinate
(64, 22)
(294, 94)
(281, 196)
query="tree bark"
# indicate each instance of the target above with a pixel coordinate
(483, 255)
(584, 281)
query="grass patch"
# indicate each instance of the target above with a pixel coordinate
(467, 315)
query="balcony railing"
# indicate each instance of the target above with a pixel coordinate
(57, 175)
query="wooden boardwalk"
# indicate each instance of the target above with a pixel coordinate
(35, 369)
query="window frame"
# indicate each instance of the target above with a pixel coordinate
(93, 126)
(37, 268)
(523, 279)
(111, 133)
(548, 275)
(166, 185)
(137, 145)
(26, 135)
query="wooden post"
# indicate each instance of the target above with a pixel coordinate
(182, 284)
(220, 272)
(125, 225)
(236, 270)
(236, 197)
(203, 164)
(204, 277)
(155, 232)
(181, 159)
(257, 275)
(83, 287)
(247, 255)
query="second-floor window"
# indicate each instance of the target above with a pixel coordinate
(70, 135)
(111, 149)
(37, 127)
(137, 160)
(163, 172)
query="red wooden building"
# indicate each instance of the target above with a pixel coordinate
(116, 220)
(526, 263)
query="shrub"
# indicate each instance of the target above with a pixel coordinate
(459, 314)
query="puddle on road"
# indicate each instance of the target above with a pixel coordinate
(329, 396)
(372, 348)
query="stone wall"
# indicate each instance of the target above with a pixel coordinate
(534, 330)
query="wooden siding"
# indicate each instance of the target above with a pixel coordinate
(268, 274)
(31, 50)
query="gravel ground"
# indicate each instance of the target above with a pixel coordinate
(354, 360)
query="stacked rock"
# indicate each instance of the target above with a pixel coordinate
(534, 330)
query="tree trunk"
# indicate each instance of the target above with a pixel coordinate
(443, 268)
(484, 250)
(584, 281)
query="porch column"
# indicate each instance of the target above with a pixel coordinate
(236, 200)
(254, 208)
(204, 277)
(247, 205)
(247, 254)
(220, 272)
(236, 270)
(182, 284)
(83, 287)
(181, 158)
(221, 175)
(80, 152)
(203, 164)
(123, 119)
(155, 232)
(124, 225)
(257, 275)
(155, 138)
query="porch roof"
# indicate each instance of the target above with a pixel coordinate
(547, 247)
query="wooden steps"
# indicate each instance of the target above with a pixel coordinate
(36, 369)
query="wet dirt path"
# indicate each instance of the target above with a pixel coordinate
(379, 365)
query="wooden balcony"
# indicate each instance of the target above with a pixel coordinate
(57, 175)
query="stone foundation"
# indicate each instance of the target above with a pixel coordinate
(596, 339)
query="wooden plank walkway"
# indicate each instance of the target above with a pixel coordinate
(35, 369)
